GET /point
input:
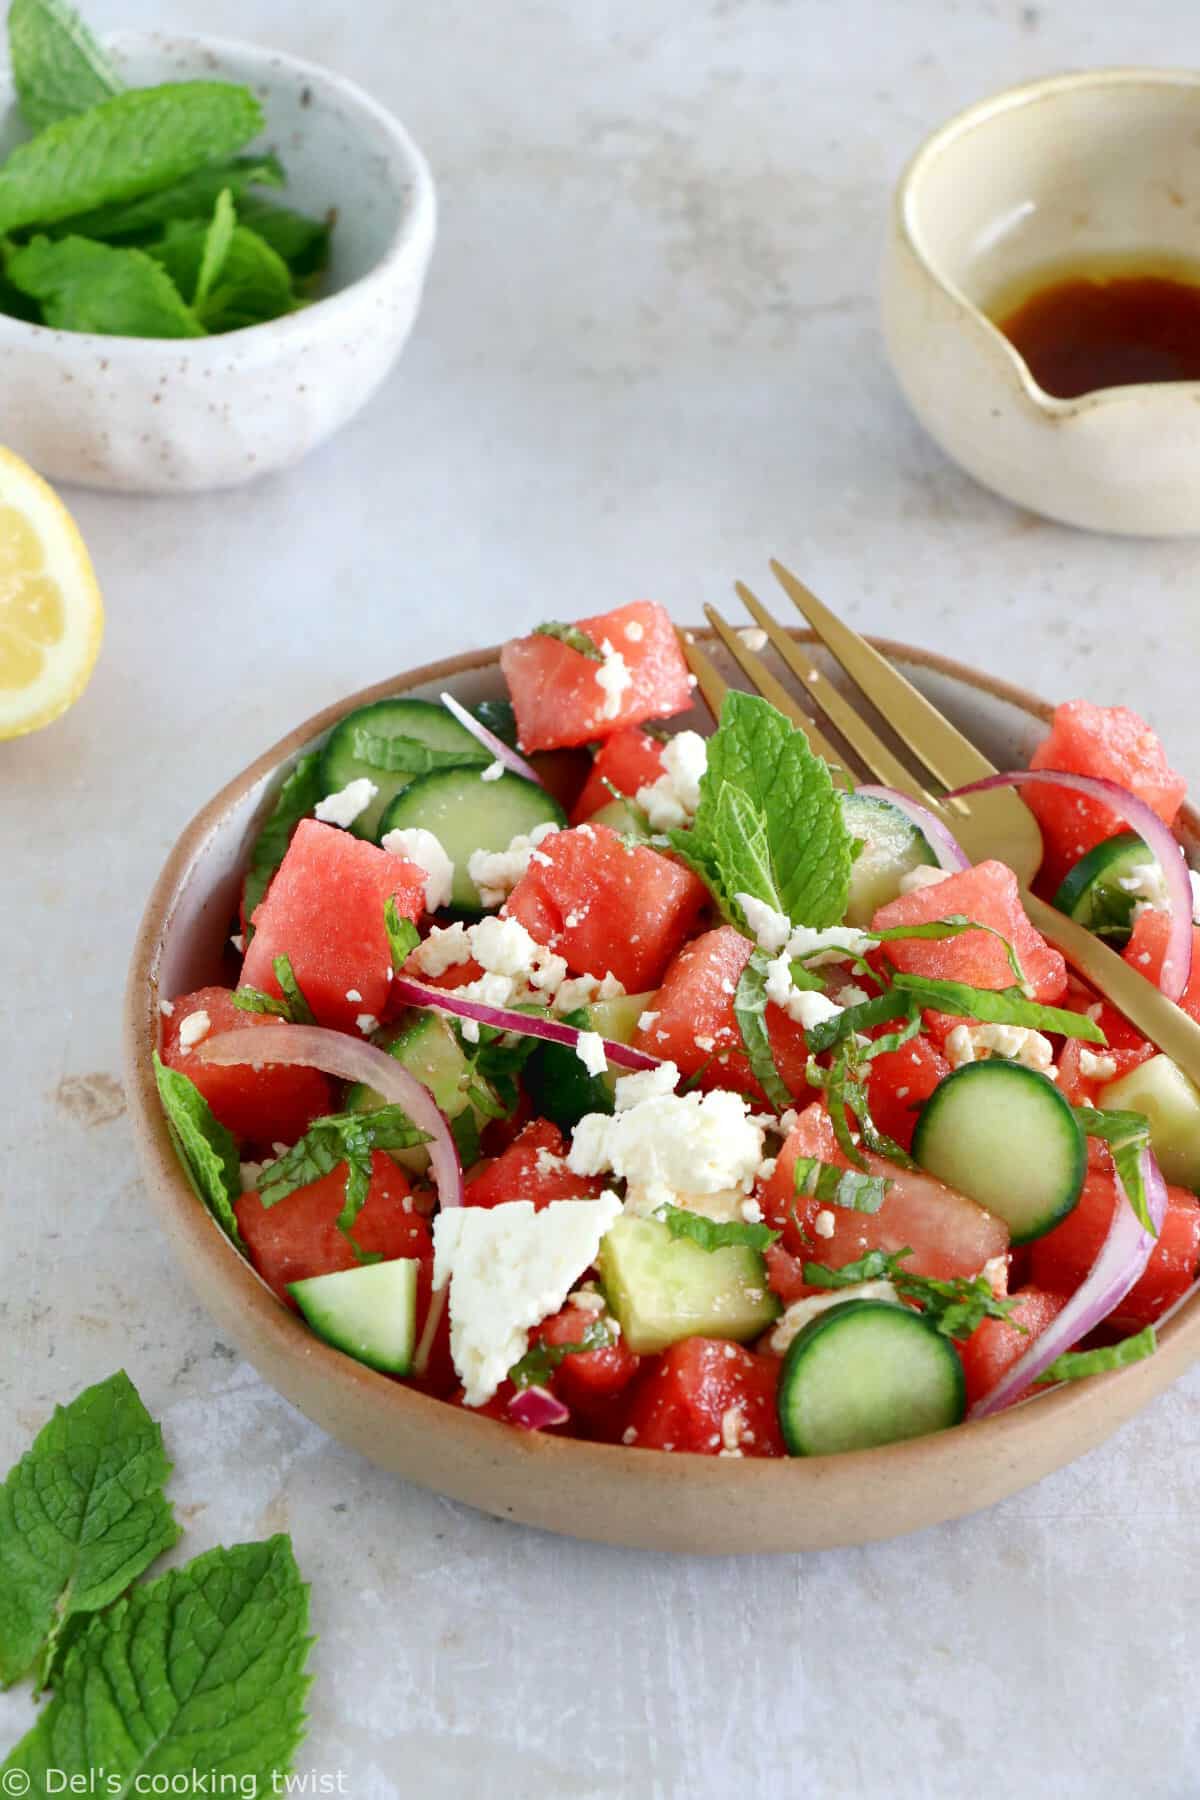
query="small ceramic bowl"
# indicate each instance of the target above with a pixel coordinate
(647, 1499)
(148, 415)
(1106, 165)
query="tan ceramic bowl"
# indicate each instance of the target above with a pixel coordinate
(635, 1497)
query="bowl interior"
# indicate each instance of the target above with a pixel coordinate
(338, 149)
(1104, 166)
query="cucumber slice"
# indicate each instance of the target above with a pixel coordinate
(891, 846)
(391, 742)
(466, 814)
(617, 1020)
(865, 1373)
(1092, 894)
(1005, 1137)
(663, 1288)
(369, 1312)
(425, 1044)
(559, 1086)
(1163, 1093)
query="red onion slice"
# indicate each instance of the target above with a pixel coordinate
(498, 748)
(535, 1408)
(1123, 1256)
(1158, 838)
(313, 1047)
(502, 1018)
(942, 842)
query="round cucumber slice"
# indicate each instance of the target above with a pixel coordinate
(466, 813)
(865, 1373)
(392, 742)
(1092, 894)
(891, 846)
(1005, 1137)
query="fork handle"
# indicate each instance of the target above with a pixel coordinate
(1156, 1017)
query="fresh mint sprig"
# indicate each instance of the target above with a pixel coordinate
(349, 1138)
(208, 1152)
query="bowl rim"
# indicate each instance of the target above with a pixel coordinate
(945, 137)
(410, 239)
(537, 1455)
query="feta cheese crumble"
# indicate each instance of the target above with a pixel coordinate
(589, 1048)
(672, 800)
(1096, 1068)
(167, 1007)
(614, 677)
(497, 872)
(671, 1149)
(824, 1224)
(775, 933)
(1019, 1043)
(493, 772)
(416, 845)
(1148, 885)
(922, 876)
(367, 1023)
(345, 806)
(804, 1005)
(194, 1029)
(635, 631)
(798, 1314)
(445, 948)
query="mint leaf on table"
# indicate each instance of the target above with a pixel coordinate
(128, 145)
(81, 1516)
(295, 801)
(202, 1669)
(192, 197)
(572, 637)
(83, 286)
(217, 241)
(750, 1011)
(348, 1138)
(714, 1234)
(301, 241)
(58, 68)
(208, 1151)
(254, 284)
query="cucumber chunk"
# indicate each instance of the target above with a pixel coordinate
(466, 813)
(391, 742)
(426, 1045)
(864, 1373)
(369, 1312)
(891, 846)
(1005, 1137)
(559, 1086)
(1092, 894)
(1163, 1093)
(618, 815)
(663, 1288)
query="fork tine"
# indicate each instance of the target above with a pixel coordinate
(945, 751)
(711, 683)
(773, 690)
(837, 709)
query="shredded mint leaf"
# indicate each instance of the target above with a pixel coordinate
(200, 1671)
(464, 1129)
(338, 1138)
(82, 286)
(81, 1516)
(301, 242)
(295, 801)
(208, 1152)
(540, 1360)
(498, 1059)
(253, 1000)
(953, 925)
(750, 1011)
(714, 1234)
(58, 67)
(129, 145)
(1127, 1134)
(572, 637)
(1076, 1365)
(402, 935)
(954, 1308)
(836, 1186)
(845, 1085)
(853, 1019)
(299, 1011)
(217, 240)
(1001, 1006)
(192, 197)
(408, 756)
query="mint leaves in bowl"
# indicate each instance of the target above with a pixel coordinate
(177, 310)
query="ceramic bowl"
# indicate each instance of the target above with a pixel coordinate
(1104, 164)
(608, 1493)
(148, 415)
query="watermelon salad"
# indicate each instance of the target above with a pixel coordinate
(645, 1087)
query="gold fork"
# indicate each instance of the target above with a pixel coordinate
(996, 824)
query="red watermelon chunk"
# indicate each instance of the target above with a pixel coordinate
(704, 1396)
(1147, 949)
(1063, 1258)
(532, 1168)
(324, 911)
(261, 1107)
(995, 1345)
(606, 906)
(899, 1082)
(628, 760)
(1109, 741)
(988, 893)
(557, 698)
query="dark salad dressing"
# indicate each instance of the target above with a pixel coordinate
(1087, 327)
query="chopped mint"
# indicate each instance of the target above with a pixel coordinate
(854, 1019)
(294, 801)
(402, 935)
(338, 1138)
(300, 1012)
(953, 925)
(83, 286)
(540, 1361)
(58, 68)
(1001, 1006)
(1127, 1135)
(714, 1234)
(208, 1152)
(836, 1186)
(954, 1308)
(253, 1000)
(572, 637)
(1075, 1365)
(408, 756)
(750, 1009)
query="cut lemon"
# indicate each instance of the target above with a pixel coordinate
(51, 613)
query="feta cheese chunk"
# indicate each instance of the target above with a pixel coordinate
(194, 1029)
(589, 1048)
(775, 933)
(670, 1148)
(644, 1084)
(671, 801)
(493, 772)
(345, 806)
(798, 1314)
(922, 876)
(614, 677)
(804, 1005)
(509, 1267)
(771, 929)
(416, 845)
(445, 948)
(1096, 1068)
(1019, 1043)
(497, 872)
(1148, 885)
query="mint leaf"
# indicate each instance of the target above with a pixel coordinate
(954, 1308)
(254, 283)
(408, 756)
(217, 241)
(299, 1011)
(714, 1234)
(125, 146)
(1001, 1006)
(201, 1670)
(877, 1011)
(58, 68)
(845, 1085)
(192, 197)
(836, 1186)
(1076, 1365)
(207, 1151)
(741, 848)
(81, 286)
(81, 1516)
(402, 935)
(295, 801)
(464, 1129)
(338, 1138)
(253, 1000)
(1127, 1134)
(953, 925)
(572, 637)
(540, 1360)
(750, 1011)
(303, 243)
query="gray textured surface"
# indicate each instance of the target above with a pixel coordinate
(648, 359)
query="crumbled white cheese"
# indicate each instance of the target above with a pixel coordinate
(416, 845)
(804, 1005)
(238, 942)
(771, 929)
(1096, 1068)
(345, 806)
(493, 772)
(635, 631)
(922, 876)
(167, 1008)
(671, 1147)
(798, 1314)
(250, 1172)
(751, 1211)
(776, 934)
(445, 948)
(613, 677)
(671, 801)
(194, 1029)
(503, 946)
(647, 1019)
(703, 1042)
(995, 1273)
(644, 1084)
(1148, 885)
(353, 995)
(753, 636)
(489, 990)
(367, 1023)
(582, 990)
(497, 872)
(824, 1224)
(589, 1048)
(509, 1267)
(733, 1422)
(588, 1298)
(975, 1043)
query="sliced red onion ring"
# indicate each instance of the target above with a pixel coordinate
(535, 1408)
(1123, 1256)
(1158, 838)
(942, 842)
(502, 1018)
(498, 748)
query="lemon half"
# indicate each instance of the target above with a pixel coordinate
(51, 613)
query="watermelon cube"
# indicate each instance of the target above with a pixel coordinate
(628, 760)
(987, 893)
(557, 697)
(261, 1107)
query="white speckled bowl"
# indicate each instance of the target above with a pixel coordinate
(148, 415)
